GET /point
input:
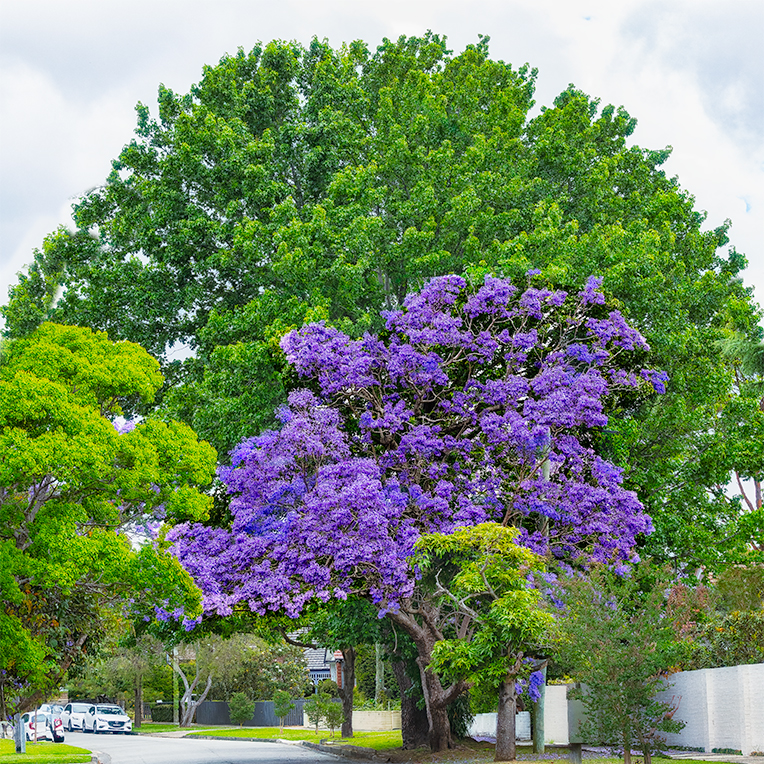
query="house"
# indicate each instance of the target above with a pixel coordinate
(324, 664)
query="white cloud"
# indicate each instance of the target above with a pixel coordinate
(689, 70)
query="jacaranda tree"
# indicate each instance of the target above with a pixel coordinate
(473, 405)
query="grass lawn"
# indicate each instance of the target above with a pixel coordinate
(168, 727)
(43, 753)
(380, 741)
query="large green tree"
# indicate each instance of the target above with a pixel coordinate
(296, 183)
(71, 484)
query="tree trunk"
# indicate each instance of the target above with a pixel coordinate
(379, 673)
(436, 697)
(346, 691)
(506, 749)
(138, 700)
(414, 726)
(626, 749)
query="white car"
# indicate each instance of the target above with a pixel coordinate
(73, 716)
(36, 726)
(106, 718)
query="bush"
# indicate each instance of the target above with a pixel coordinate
(329, 687)
(161, 712)
(240, 708)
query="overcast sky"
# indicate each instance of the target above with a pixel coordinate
(691, 72)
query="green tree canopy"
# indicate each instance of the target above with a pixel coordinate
(70, 485)
(297, 183)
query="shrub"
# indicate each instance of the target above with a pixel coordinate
(240, 708)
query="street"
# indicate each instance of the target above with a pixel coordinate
(143, 749)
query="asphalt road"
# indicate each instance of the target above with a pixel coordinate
(142, 749)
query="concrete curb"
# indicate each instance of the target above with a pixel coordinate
(347, 751)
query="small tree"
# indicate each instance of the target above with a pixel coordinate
(618, 641)
(240, 708)
(315, 708)
(333, 715)
(481, 575)
(282, 705)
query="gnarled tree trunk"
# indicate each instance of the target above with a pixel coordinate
(424, 632)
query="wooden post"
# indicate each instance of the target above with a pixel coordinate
(138, 700)
(19, 735)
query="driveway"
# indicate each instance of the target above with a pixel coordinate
(145, 749)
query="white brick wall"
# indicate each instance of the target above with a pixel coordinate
(722, 708)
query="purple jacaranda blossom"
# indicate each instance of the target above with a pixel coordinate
(474, 405)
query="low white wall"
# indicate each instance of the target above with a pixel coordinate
(484, 725)
(722, 708)
(555, 719)
(556, 714)
(376, 721)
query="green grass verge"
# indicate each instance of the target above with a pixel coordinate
(160, 727)
(43, 753)
(380, 741)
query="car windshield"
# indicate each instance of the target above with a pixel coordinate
(115, 710)
(79, 708)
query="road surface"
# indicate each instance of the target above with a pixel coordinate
(144, 749)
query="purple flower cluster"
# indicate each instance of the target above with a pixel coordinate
(469, 408)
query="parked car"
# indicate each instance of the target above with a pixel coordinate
(107, 718)
(73, 716)
(51, 708)
(56, 727)
(36, 726)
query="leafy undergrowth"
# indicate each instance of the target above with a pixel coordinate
(43, 753)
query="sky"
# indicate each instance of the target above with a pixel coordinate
(71, 73)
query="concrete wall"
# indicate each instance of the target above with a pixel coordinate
(379, 721)
(722, 708)
(556, 714)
